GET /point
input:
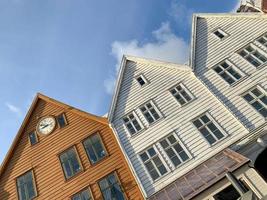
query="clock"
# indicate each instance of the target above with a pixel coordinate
(46, 125)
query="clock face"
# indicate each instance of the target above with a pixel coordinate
(46, 125)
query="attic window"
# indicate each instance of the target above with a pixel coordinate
(220, 34)
(61, 120)
(141, 80)
(33, 138)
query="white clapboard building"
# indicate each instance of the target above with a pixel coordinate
(183, 128)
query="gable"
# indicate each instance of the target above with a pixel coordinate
(208, 50)
(127, 89)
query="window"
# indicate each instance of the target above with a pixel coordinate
(150, 112)
(133, 126)
(61, 120)
(263, 40)
(94, 148)
(174, 150)
(110, 188)
(70, 163)
(141, 80)
(227, 72)
(26, 186)
(33, 138)
(229, 193)
(153, 163)
(208, 129)
(83, 195)
(258, 100)
(253, 56)
(181, 94)
(219, 33)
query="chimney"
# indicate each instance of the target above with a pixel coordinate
(253, 6)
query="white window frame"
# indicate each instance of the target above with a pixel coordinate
(188, 92)
(234, 67)
(156, 109)
(255, 99)
(178, 140)
(225, 35)
(264, 36)
(215, 123)
(255, 49)
(137, 119)
(161, 159)
(144, 79)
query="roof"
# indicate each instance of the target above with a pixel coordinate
(198, 16)
(123, 65)
(29, 113)
(202, 177)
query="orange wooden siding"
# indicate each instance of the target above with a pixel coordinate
(43, 158)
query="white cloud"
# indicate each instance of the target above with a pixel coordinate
(237, 5)
(181, 14)
(14, 109)
(167, 47)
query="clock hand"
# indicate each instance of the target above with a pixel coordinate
(45, 126)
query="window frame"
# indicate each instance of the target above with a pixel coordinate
(65, 119)
(34, 183)
(137, 119)
(103, 145)
(37, 138)
(161, 159)
(80, 191)
(255, 49)
(234, 67)
(144, 79)
(215, 123)
(78, 158)
(222, 32)
(118, 181)
(188, 92)
(264, 36)
(261, 89)
(155, 108)
(178, 140)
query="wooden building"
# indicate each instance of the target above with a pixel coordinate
(61, 152)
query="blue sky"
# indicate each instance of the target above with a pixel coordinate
(70, 49)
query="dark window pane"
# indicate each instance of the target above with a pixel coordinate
(257, 105)
(141, 81)
(172, 139)
(218, 69)
(184, 156)
(243, 53)
(61, 120)
(211, 139)
(149, 117)
(205, 119)
(33, 138)
(164, 144)
(176, 161)
(263, 112)
(154, 174)
(229, 193)
(197, 123)
(151, 152)
(26, 186)
(178, 148)
(248, 97)
(170, 153)
(224, 65)
(149, 166)
(144, 156)
(256, 92)
(264, 100)
(136, 124)
(204, 131)
(162, 169)
(218, 134)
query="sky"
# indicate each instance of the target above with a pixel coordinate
(70, 50)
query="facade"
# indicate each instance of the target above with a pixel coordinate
(177, 122)
(63, 153)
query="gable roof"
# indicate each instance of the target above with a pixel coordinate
(38, 97)
(199, 16)
(123, 65)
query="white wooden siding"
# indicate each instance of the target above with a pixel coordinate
(242, 29)
(175, 118)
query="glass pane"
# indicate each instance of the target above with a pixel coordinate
(249, 49)
(162, 169)
(154, 113)
(211, 139)
(90, 151)
(149, 166)
(170, 153)
(61, 120)
(184, 156)
(172, 139)
(149, 117)
(164, 144)
(218, 134)
(33, 138)
(218, 69)
(256, 92)
(100, 151)
(263, 112)
(178, 148)
(130, 128)
(204, 131)
(205, 119)
(70, 163)
(253, 61)
(264, 100)
(173, 91)
(136, 124)
(144, 156)
(257, 105)
(154, 174)
(224, 65)
(151, 151)
(248, 97)
(176, 161)
(229, 193)
(26, 186)
(197, 123)
(243, 53)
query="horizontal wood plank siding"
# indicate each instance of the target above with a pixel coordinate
(43, 159)
(175, 118)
